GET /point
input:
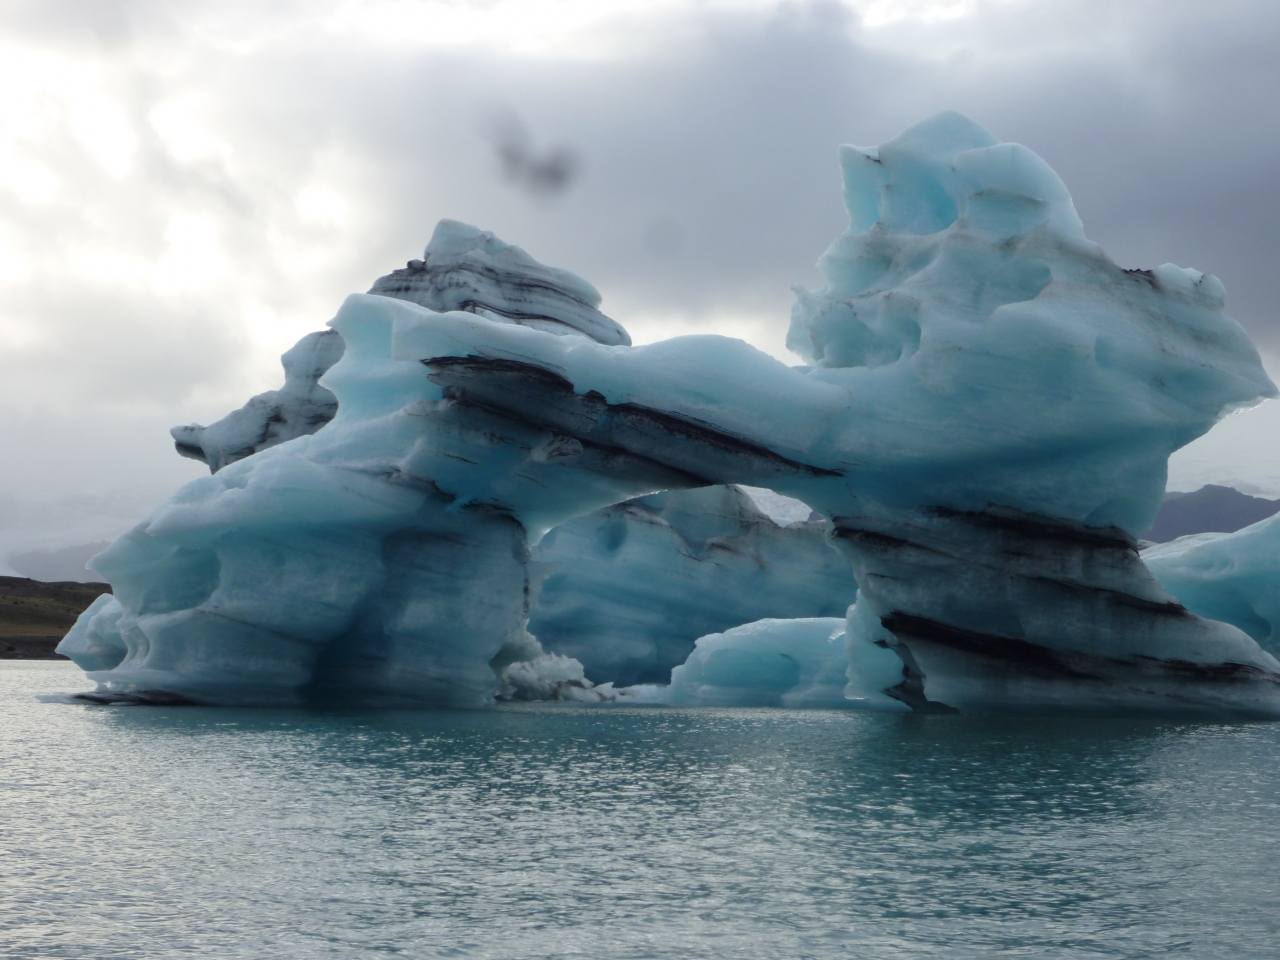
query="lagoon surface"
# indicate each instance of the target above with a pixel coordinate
(604, 832)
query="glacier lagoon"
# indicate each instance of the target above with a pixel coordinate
(790, 739)
(555, 830)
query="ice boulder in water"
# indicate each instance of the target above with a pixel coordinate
(769, 663)
(986, 422)
(781, 663)
(1233, 577)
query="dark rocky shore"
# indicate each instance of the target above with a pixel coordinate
(35, 615)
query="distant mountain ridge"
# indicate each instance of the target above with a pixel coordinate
(1211, 509)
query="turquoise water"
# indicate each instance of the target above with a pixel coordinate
(627, 833)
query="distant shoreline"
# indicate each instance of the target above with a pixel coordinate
(35, 615)
(30, 648)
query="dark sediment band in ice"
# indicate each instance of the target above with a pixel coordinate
(471, 270)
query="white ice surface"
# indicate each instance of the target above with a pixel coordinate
(782, 509)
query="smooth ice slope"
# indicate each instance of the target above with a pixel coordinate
(770, 663)
(633, 586)
(1234, 577)
(987, 422)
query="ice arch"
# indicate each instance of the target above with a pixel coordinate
(986, 420)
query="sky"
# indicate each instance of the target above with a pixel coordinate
(187, 187)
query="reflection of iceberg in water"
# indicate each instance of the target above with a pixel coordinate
(985, 422)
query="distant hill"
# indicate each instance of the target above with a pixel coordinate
(1211, 509)
(58, 565)
(34, 616)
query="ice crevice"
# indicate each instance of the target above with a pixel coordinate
(984, 422)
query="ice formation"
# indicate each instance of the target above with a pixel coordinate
(470, 270)
(1232, 577)
(385, 558)
(985, 422)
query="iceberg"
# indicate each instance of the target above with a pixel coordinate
(984, 423)
(1232, 577)
(386, 558)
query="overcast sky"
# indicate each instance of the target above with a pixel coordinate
(188, 187)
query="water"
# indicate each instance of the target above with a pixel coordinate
(627, 833)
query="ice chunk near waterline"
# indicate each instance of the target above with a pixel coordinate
(631, 587)
(878, 677)
(987, 422)
(95, 642)
(1233, 577)
(781, 663)
(769, 663)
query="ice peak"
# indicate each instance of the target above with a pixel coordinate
(948, 169)
(469, 269)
